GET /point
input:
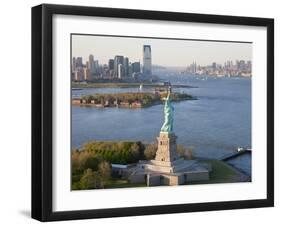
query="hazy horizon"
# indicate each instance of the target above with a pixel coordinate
(168, 53)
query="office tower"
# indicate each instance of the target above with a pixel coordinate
(147, 60)
(96, 66)
(120, 71)
(242, 65)
(86, 74)
(91, 64)
(79, 62)
(214, 66)
(237, 64)
(111, 64)
(117, 60)
(227, 65)
(73, 68)
(249, 65)
(126, 66)
(79, 74)
(130, 70)
(193, 68)
(136, 67)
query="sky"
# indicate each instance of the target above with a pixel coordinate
(168, 53)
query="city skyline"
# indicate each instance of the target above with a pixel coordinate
(168, 53)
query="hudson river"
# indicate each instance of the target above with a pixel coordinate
(214, 125)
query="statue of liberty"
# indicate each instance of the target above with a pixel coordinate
(168, 115)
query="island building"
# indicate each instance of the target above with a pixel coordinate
(168, 168)
(147, 60)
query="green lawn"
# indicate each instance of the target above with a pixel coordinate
(221, 173)
(112, 183)
(121, 183)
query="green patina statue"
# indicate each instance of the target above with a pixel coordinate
(168, 115)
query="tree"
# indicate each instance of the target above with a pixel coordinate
(75, 186)
(92, 162)
(104, 172)
(121, 152)
(184, 152)
(89, 180)
(189, 153)
(88, 98)
(135, 151)
(150, 151)
(181, 150)
(75, 161)
(88, 159)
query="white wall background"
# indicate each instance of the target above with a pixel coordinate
(15, 113)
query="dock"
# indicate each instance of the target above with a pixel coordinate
(235, 154)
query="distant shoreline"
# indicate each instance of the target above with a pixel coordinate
(125, 85)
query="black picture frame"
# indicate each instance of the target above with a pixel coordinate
(42, 107)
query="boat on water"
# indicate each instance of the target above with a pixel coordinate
(240, 149)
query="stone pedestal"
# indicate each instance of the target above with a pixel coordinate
(167, 148)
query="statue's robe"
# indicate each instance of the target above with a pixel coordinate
(168, 116)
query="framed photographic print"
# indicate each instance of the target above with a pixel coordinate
(145, 112)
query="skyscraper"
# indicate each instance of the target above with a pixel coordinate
(120, 71)
(96, 67)
(73, 64)
(193, 68)
(86, 74)
(147, 60)
(136, 67)
(91, 64)
(214, 66)
(242, 65)
(79, 62)
(249, 65)
(130, 70)
(126, 66)
(118, 60)
(111, 64)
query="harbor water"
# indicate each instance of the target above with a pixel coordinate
(215, 124)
